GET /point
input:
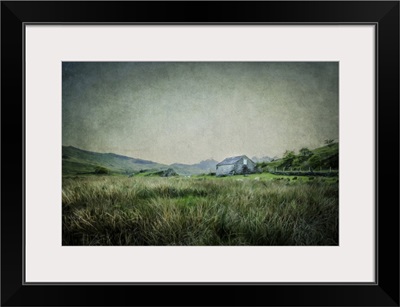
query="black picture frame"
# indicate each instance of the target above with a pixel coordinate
(383, 14)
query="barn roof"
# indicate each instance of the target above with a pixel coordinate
(232, 160)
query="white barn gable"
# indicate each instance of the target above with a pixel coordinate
(235, 165)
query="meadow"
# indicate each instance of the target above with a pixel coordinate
(258, 209)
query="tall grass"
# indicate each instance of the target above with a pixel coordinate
(191, 211)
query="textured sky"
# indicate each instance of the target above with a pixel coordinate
(186, 112)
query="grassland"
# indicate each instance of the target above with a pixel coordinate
(260, 209)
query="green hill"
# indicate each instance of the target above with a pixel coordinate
(326, 157)
(78, 161)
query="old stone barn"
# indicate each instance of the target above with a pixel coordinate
(235, 166)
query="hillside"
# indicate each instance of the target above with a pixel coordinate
(78, 161)
(325, 157)
(205, 166)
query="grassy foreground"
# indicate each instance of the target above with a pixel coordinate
(116, 210)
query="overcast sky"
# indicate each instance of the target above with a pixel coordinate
(186, 112)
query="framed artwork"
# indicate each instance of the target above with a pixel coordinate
(241, 147)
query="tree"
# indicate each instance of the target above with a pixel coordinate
(305, 152)
(288, 158)
(289, 155)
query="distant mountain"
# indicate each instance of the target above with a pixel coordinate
(207, 165)
(79, 161)
(262, 159)
(202, 167)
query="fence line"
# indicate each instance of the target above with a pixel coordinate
(303, 172)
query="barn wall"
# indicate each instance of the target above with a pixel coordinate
(251, 165)
(224, 169)
(239, 166)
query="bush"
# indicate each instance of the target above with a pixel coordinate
(101, 170)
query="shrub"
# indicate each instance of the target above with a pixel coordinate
(101, 170)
